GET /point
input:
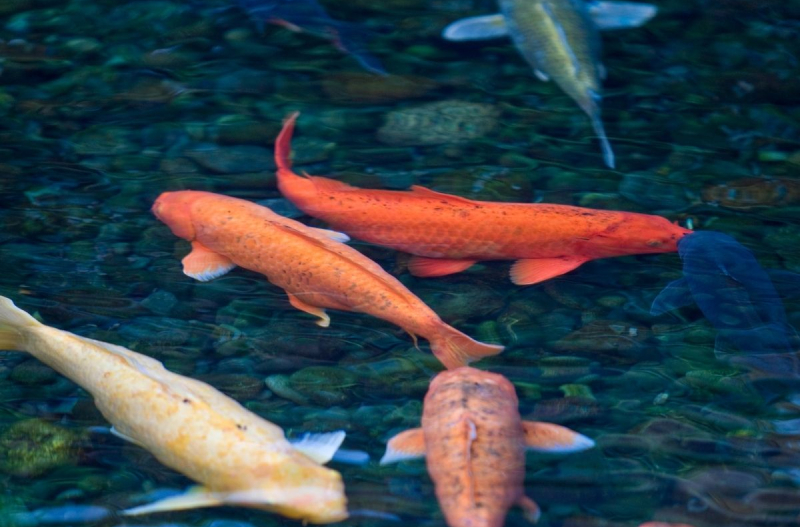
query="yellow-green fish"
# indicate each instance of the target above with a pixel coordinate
(560, 39)
(237, 457)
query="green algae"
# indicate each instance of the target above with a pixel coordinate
(34, 447)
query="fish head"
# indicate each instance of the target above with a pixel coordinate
(174, 209)
(636, 234)
(489, 384)
(302, 490)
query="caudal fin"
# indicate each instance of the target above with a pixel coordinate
(283, 144)
(12, 319)
(455, 349)
(605, 146)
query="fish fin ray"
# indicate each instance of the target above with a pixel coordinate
(125, 437)
(532, 271)
(620, 15)
(677, 294)
(194, 498)
(324, 320)
(203, 264)
(319, 447)
(426, 192)
(409, 444)
(530, 509)
(426, 267)
(455, 349)
(333, 235)
(547, 437)
(476, 28)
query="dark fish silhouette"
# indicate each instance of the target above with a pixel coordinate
(309, 16)
(737, 296)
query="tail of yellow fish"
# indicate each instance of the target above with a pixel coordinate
(455, 349)
(12, 319)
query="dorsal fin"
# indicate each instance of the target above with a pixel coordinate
(426, 192)
(341, 250)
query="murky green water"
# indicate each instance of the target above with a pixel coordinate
(107, 103)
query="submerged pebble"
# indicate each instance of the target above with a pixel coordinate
(445, 122)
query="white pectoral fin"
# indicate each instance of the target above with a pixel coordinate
(124, 437)
(194, 498)
(405, 445)
(620, 15)
(204, 264)
(319, 447)
(333, 235)
(547, 437)
(476, 28)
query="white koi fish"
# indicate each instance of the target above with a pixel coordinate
(237, 457)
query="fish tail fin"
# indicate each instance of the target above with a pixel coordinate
(283, 144)
(298, 189)
(592, 109)
(12, 319)
(455, 349)
(600, 130)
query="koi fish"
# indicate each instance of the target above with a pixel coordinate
(309, 16)
(560, 40)
(737, 296)
(237, 457)
(474, 442)
(448, 234)
(313, 266)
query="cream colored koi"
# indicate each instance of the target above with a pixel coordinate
(237, 457)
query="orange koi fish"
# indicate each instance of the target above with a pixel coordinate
(448, 234)
(315, 268)
(474, 442)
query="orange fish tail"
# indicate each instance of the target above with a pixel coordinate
(295, 188)
(455, 349)
(283, 144)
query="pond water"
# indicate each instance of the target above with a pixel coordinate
(107, 103)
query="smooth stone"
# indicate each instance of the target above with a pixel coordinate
(160, 302)
(231, 159)
(33, 372)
